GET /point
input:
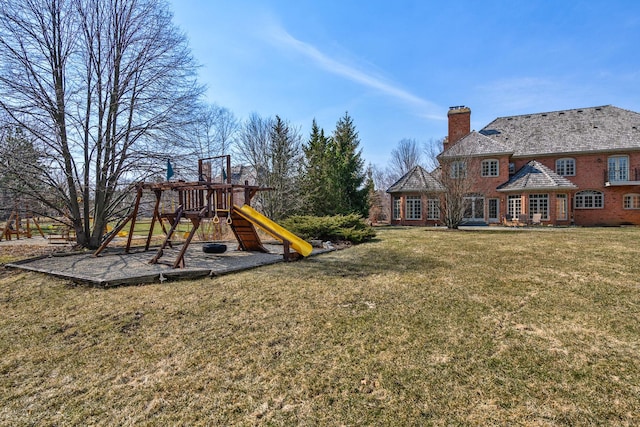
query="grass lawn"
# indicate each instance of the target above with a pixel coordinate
(419, 327)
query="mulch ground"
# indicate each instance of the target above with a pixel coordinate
(26, 251)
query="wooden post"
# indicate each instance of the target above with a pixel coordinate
(134, 215)
(156, 215)
(176, 221)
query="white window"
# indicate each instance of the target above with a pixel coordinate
(396, 208)
(562, 206)
(514, 208)
(618, 168)
(631, 201)
(433, 209)
(566, 167)
(458, 169)
(490, 168)
(414, 207)
(589, 200)
(539, 204)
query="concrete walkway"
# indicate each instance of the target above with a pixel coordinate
(114, 267)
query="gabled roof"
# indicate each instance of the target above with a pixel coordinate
(476, 144)
(536, 176)
(416, 180)
(605, 128)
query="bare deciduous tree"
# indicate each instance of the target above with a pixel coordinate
(214, 131)
(272, 147)
(405, 156)
(456, 172)
(253, 145)
(104, 88)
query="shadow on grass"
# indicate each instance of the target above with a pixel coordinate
(370, 259)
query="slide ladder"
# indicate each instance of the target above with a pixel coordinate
(245, 219)
(245, 233)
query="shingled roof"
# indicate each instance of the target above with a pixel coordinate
(536, 176)
(416, 180)
(476, 144)
(605, 128)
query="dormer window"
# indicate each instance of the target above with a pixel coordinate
(566, 167)
(490, 167)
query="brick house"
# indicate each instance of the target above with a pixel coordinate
(415, 198)
(579, 166)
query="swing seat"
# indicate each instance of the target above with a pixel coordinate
(214, 248)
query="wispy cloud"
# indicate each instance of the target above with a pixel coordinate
(524, 93)
(281, 37)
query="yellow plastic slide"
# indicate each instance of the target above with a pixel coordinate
(301, 246)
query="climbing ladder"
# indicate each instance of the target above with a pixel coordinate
(245, 233)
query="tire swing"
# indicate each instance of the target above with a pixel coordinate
(214, 248)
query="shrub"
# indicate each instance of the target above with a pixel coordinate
(350, 227)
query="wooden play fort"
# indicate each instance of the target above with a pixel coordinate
(211, 199)
(19, 224)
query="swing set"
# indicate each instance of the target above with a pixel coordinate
(14, 224)
(205, 204)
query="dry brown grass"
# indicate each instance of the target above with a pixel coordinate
(420, 327)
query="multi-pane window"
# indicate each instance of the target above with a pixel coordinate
(494, 209)
(618, 168)
(414, 207)
(589, 199)
(631, 201)
(396, 208)
(433, 209)
(474, 207)
(490, 168)
(514, 206)
(458, 169)
(562, 206)
(539, 204)
(566, 167)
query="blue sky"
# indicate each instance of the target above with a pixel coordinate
(397, 67)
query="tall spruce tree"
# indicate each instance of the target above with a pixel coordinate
(284, 171)
(316, 183)
(348, 192)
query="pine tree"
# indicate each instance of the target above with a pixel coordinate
(315, 184)
(283, 175)
(350, 195)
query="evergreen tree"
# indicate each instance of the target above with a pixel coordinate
(284, 171)
(349, 194)
(315, 183)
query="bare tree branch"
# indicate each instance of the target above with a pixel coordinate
(103, 87)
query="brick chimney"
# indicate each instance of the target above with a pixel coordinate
(459, 124)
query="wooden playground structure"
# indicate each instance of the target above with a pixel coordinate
(210, 200)
(19, 224)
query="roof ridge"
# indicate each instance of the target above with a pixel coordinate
(557, 111)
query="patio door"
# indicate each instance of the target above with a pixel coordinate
(514, 207)
(473, 209)
(494, 210)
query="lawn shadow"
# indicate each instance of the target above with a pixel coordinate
(370, 259)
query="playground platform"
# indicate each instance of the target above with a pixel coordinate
(114, 267)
